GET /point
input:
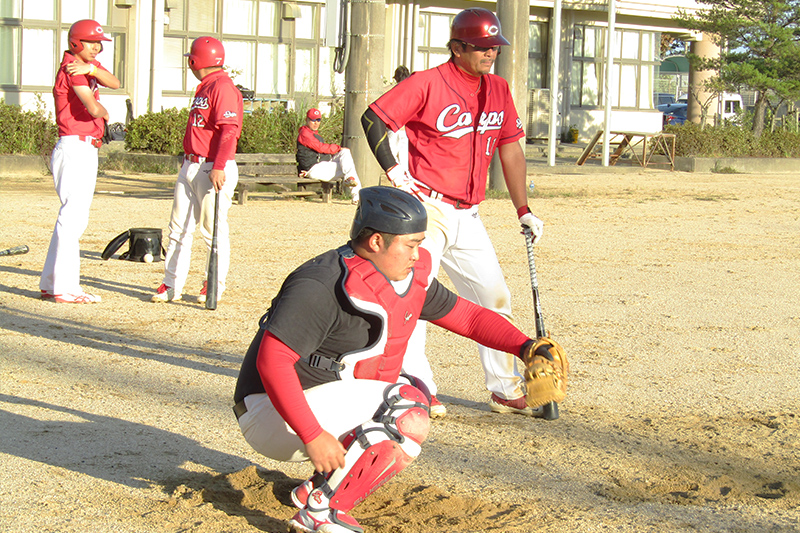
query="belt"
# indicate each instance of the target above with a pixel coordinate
(239, 409)
(455, 202)
(97, 143)
(196, 158)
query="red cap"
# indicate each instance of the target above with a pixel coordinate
(313, 113)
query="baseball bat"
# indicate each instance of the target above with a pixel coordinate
(213, 262)
(16, 250)
(549, 411)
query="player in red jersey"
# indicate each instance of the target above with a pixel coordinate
(456, 116)
(319, 160)
(81, 119)
(321, 380)
(213, 130)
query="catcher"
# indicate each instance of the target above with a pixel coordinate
(321, 380)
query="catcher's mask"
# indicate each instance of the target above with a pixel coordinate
(389, 210)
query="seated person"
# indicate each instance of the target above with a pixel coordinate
(321, 161)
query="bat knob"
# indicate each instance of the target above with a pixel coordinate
(550, 411)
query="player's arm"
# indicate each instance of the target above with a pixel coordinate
(275, 363)
(512, 158)
(465, 318)
(308, 139)
(222, 150)
(86, 96)
(378, 139)
(104, 77)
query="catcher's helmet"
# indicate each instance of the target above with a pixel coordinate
(206, 52)
(477, 26)
(388, 210)
(84, 30)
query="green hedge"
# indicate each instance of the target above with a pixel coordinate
(731, 140)
(271, 131)
(26, 132)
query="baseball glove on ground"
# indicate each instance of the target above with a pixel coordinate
(546, 370)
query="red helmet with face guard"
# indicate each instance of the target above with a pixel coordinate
(84, 30)
(478, 27)
(206, 52)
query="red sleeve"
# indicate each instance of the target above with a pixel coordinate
(223, 145)
(484, 326)
(275, 363)
(311, 140)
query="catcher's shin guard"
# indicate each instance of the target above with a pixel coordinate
(376, 450)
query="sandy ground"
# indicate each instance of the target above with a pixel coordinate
(675, 296)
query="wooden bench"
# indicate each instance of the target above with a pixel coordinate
(279, 170)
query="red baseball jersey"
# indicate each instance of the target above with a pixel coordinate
(72, 117)
(216, 101)
(454, 123)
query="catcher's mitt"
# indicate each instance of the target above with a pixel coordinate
(546, 370)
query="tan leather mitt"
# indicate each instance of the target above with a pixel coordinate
(546, 370)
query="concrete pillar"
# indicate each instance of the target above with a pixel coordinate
(699, 97)
(512, 65)
(363, 81)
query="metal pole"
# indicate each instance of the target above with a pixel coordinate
(612, 17)
(555, 60)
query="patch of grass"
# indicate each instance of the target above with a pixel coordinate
(120, 163)
(714, 198)
(724, 170)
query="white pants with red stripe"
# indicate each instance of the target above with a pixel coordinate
(457, 239)
(74, 166)
(193, 204)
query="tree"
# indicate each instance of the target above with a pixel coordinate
(760, 48)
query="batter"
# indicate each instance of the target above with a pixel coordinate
(456, 116)
(209, 170)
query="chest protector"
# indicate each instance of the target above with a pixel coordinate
(371, 292)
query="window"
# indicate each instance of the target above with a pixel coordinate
(537, 44)
(632, 73)
(33, 37)
(432, 36)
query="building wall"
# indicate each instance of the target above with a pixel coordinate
(284, 51)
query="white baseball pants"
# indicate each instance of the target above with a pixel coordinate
(457, 239)
(193, 204)
(338, 406)
(74, 166)
(341, 166)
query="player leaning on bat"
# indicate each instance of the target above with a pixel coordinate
(322, 381)
(213, 130)
(81, 121)
(456, 116)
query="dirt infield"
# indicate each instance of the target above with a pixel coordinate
(674, 294)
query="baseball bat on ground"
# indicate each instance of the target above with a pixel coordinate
(16, 250)
(549, 411)
(213, 262)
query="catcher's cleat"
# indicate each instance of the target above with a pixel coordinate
(165, 294)
(518, 406)
(326, 520)
(437, 409)
(47, 295)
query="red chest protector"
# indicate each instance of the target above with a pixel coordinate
(371, 292)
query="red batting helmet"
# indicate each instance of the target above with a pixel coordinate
(478, 27)
(206, 52)
(84, 30)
